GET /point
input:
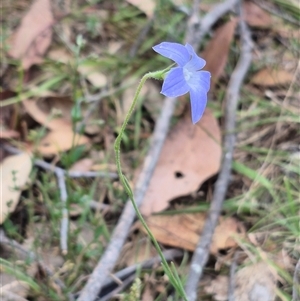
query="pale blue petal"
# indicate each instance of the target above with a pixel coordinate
(198, 104)
(196, 62)
(174, 84)
(199, 80)
(174, 51)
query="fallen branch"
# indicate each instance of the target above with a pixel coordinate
(201, 253)
(118, 289)
(71, 174)
(75, 174)
(193, 25)
(65, 214)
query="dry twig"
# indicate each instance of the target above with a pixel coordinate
(147, 264)
(193, 25)
(232, 95)
(118, 289)
(75, 174)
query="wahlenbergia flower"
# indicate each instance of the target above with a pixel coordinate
(187, 77)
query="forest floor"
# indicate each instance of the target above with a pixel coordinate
(69, 71)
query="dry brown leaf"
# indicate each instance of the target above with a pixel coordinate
(218, 287)
(137, 251)
(96, 78)
(180, 230)
(114, 46)
(190, 155)
(184, 230)
(60, 55)
(7, 133)
(14, 291)
(217, 50)
(287, 33)
(59, 141)
(41, 111)
(224, 234)
(86, 235)
(104, 167)
(256, 283)
(146, 7)
(82, 165)
(272, 77)
(148, 293)
(33, 36)
(255, 16)
(15, 172)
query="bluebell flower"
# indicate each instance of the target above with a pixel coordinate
(186, 77)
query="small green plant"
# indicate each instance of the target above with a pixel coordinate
(177, 81)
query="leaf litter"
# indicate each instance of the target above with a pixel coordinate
(217, 51)
(191, 155)
(33, 37)
(181, 168)
(184, 231)
(15, 172)
(256, 16)
(272, 78)
(53, 113)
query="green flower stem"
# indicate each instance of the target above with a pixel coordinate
(173, 278)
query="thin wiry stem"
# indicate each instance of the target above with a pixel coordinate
(129, 191)
(109, 258)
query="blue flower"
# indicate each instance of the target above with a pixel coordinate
(186, 77)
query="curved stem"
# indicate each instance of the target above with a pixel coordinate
(117, 146)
